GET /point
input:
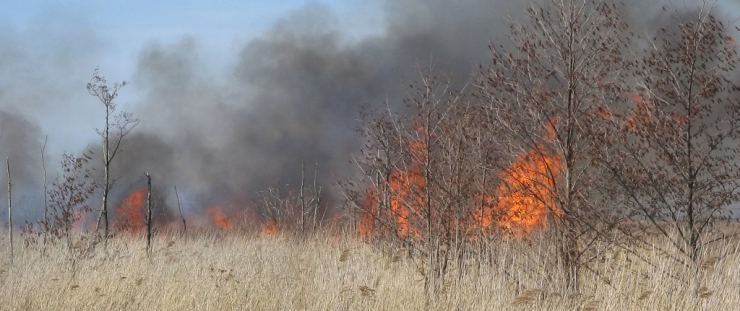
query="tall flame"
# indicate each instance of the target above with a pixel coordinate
(522, 205)
(406, 190)
(405, 197)
(129, 214)
(526, 193)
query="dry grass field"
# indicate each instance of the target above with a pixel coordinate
(218, 271)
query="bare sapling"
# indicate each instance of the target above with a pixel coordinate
(115, 129)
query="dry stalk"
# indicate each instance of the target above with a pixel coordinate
(527, 297)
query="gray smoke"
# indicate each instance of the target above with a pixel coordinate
(44, 69)
(24, 154)
(291, 96)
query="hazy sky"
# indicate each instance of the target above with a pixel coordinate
(181, 58)
(63, 38)
(55, 45)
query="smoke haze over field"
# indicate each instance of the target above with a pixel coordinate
(290, 95)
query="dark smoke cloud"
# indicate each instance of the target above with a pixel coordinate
(291, 95)
(19, 141)
(294, 93)
(44, 69)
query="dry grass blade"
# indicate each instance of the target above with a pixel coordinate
(344, 256)
(708, 264)
(446, 287)
(528, 296)
(377, 280)
(366, 291)
(705, 295)
(398, 256)
(592, 305)
(79, 244)
(704, 292)
(645, 295)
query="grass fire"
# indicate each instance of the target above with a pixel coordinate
(587, 158)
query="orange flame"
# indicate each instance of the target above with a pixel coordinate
(525, 198)
(366, 225)
(405, 192)
(269, 228)
(219, 218)
(406, 189)
(129, 214)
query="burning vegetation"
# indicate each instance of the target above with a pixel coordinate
(274, 215)
(525, 201)
(130, 212)
(522, 205)
(537, 146)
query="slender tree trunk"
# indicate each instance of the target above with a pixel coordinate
(46, 204)
(317, 194)
(10, 211)
(571, 260)
(184, 225)
(303, 200)
(123, 124)
(106, 182)
(148, 213)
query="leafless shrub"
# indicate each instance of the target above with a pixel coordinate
(673, 151)
(69, 202)
(545, 90)
(425, 176)
(298, 211)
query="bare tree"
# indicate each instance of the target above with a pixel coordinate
(120, 125)
(420, 175)
(674, 150)
(544, 91)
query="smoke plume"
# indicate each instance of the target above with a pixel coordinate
(291, 95)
